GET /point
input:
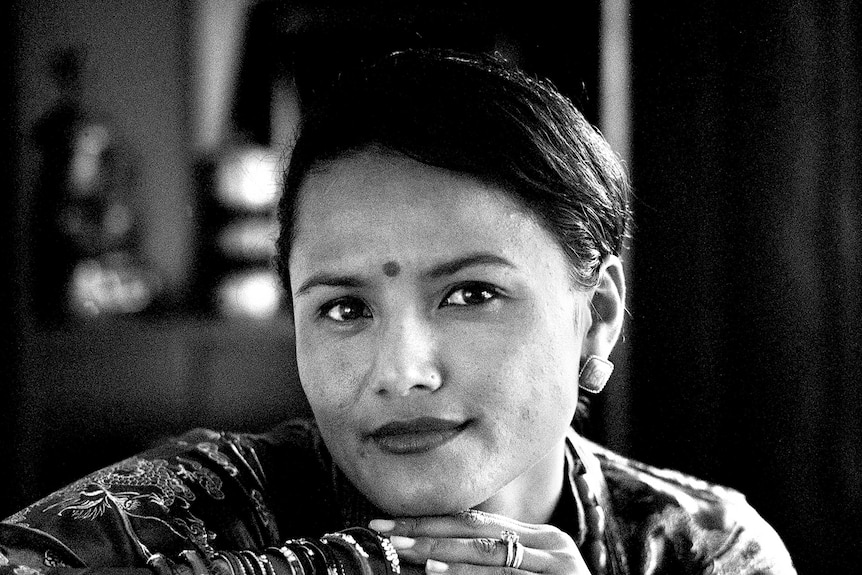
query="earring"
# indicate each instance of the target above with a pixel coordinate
(595, 374)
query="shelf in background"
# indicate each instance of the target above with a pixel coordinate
(95, 392)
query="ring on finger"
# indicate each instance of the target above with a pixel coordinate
(514, 549)
(519, 556)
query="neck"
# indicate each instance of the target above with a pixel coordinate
(533, 496)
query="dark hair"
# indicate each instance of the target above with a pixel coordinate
(478, 115)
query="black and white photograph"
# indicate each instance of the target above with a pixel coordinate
(452, 287)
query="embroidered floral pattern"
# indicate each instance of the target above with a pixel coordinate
(211, 450)
(51, 560)
(20, 518)
(262, 510)
(145, 490)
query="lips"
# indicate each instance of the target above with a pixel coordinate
(416, 436)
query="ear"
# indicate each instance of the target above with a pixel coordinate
(607, 310)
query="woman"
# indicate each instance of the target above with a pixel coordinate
(450, 235)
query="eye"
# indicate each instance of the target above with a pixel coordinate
(474, 293)
(345, 309)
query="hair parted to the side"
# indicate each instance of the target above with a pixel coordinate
(483, 117)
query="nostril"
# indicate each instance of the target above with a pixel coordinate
(406, 360)
(402, 382)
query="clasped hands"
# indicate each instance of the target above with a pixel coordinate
(475, 542)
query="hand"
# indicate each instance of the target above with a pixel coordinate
(470, 542)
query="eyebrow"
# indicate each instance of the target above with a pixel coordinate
(472, 260)
(436, 272)
(324, 279)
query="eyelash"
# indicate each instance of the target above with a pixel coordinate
(327, 308)
(488, 293)
(475, 287)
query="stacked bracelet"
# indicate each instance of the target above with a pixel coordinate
(316, 558)
(351, 548)
(369, 539)
(233, 568)
(292, 561)
(354, 551)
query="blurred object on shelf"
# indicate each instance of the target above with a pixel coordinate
(240, 187)
(251, 293)
(86, 260)
(239, 179)
(247, 179)
(110, 284)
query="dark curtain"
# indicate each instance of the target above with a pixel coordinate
(8, 275)
(746, 312)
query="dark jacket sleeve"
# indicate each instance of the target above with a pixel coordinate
(673, 523)
(200, 491)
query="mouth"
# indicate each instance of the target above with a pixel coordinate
(416, 436)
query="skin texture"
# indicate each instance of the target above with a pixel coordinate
(482, 327)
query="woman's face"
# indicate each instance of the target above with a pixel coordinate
(438, 333)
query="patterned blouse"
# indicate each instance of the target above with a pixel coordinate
(212, 491)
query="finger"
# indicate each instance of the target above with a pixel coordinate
(473, 525)
(565, 565)
(476, 551)
(468, 524)
(439, 568)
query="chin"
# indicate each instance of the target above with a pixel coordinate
(420, 500)
(422, 506)
(420, 486)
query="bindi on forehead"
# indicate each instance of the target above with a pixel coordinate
(391, 269)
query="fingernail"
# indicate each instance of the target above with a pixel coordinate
(436, 566)
(382, 524)
(400, 542)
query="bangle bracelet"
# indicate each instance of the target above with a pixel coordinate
(293, 561)
(301, 555)
(195, 562)
(255, 560)
(324, 558)
(318, 563)
(220, 557)
(248, 564)
(354, 550)
(225, 557)
(390, 553)
(278, 562)
(334, 560)
(371, 539)
(264, 558)
(237, 563)
(160, 564)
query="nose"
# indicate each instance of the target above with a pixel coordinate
(406, 360)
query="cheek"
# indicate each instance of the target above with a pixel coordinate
(328, 379)
(545, 395)
(528, 383)
(541, 369)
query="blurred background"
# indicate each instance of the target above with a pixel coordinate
(142, 155)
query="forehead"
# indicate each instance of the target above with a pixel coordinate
(373, 207)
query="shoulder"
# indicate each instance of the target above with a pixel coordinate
(667, 517)
(204, 489)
